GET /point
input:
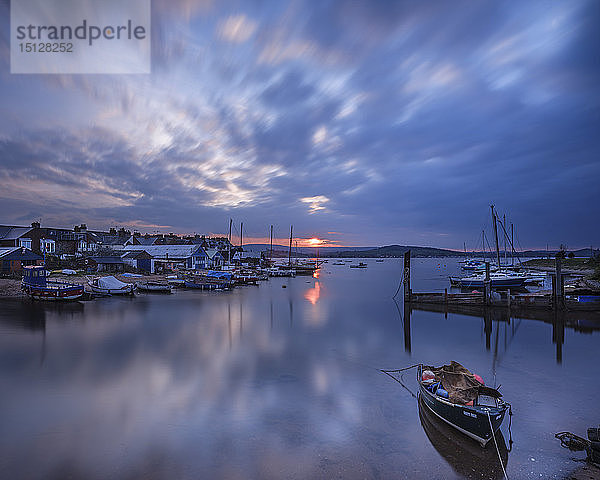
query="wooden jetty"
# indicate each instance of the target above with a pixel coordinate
(548, 302)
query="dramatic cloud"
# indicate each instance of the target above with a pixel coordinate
(385, 123)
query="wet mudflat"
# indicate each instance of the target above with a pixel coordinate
(267, 382)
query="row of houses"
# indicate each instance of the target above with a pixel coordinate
(110, 251)
(80, 240)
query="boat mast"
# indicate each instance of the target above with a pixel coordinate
(271, 252)
(505, 236)
(290, 251)
(230, 222)
(241, 240)
(496, 235)
(512, 245)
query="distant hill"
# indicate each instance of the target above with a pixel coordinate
(280, 251)
(395, 251)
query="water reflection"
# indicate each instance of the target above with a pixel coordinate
(264, 383)
(494, 318)
(313, 294)
(464, 455)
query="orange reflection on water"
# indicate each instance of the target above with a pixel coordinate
(313, 294)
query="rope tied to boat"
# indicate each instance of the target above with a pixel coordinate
(496, 445)
(399, 380)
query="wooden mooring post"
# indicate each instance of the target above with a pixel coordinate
(558, 286)
(407, 290)
(487, 285)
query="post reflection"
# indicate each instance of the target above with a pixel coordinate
(494, 318)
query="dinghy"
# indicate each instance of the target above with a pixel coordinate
(111, 286)
(459, 398)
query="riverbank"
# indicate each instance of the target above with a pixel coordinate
(579, 266)
(11, 287)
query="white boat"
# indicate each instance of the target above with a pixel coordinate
(497, 280)
(154, 287)
(111, 286)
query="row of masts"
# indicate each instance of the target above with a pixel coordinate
(496, 221)
(270, 241)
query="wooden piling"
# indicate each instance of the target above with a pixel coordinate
(487, 285)
(558, 288)
(407, 290)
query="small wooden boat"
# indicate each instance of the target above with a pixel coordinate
(458, 398)
(37, 286)
(176, 282)
(110, 286)
(154, 287)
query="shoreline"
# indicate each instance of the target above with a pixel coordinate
(10, 288)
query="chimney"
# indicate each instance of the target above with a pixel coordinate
(35, 224)
(83, 227)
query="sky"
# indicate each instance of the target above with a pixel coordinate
(361, 123)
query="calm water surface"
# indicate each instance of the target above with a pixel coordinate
(272, 382)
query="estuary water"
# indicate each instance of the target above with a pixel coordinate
(271, 382)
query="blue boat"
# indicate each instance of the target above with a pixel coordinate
(480, 418)
(37, 286)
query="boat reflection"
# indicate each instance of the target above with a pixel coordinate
(464, 455)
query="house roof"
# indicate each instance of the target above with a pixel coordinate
(212, 252)
(6, 250)
(147, 241)
(19, 253)
(106, 260)
(171, 252)
(8, 232)
(136, 254)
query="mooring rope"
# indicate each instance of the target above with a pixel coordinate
(389, 374)
(496, 444)
(400, 285)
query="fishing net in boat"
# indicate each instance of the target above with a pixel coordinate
(459, 382)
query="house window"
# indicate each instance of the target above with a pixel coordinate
(25, 242)
(49, 246)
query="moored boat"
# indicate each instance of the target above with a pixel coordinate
(456, 396)
(359, 265)
(37, 286)
(110, 286)
(154, 287)
(497, 280)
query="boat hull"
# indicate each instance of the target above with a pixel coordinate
(112, 291)
(59, 293)
(143, 287)
(480, 283)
